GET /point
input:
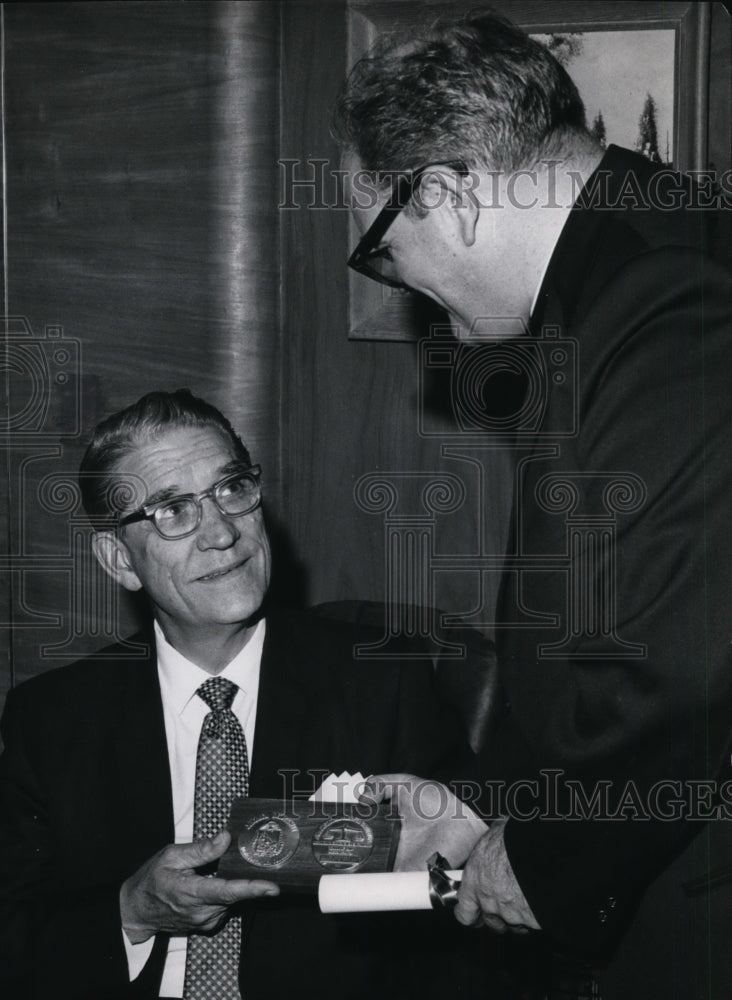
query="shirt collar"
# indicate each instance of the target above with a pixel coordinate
(566, 210)
(180, 678)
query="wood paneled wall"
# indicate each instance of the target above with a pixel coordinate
(142, 253)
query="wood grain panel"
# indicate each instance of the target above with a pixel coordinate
(6, 634)
(141, 192)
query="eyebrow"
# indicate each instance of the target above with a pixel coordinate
(159, 495)
(235, 465)
(168, 492)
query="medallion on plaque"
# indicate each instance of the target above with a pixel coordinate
(293, 843)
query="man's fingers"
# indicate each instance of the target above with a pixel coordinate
(467, 912)
(384, 786)
(225, 892)
(209, 925)
(500, 920)
(379, 787)
(495, 924)
(371, 793)
(199, 853)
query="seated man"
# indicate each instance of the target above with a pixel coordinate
(116, 780)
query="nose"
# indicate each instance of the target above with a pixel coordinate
(216, 530)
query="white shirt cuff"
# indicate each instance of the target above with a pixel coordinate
(137, 954)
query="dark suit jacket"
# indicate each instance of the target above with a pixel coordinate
(85, 798)
(640, 436)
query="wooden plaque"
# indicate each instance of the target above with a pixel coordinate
(293, 843)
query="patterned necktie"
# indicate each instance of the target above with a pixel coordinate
(222, 774)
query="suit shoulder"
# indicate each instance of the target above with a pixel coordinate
(345, 625)
(326, 649)
(663, 207)
(102, 671)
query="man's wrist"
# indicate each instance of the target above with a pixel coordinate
(135, 932)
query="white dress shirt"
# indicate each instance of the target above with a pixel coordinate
(184, 713)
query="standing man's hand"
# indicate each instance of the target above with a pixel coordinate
(489, 893)
(167, 895)
(433, 820)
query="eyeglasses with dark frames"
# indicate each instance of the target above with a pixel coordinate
(235, 495)
(369, 257)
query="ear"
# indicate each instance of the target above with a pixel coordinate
(443, 188)
(114, 557)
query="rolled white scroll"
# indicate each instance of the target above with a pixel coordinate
(378, 892)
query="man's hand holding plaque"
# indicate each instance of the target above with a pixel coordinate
(433, 820)
(168, 894)
(438, 831)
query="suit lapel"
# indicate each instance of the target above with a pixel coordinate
(141, 755)
(281, 709)
(140, 748)
(597, 237)
(278, 732)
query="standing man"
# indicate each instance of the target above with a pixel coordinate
(118, 773)
(474, 181)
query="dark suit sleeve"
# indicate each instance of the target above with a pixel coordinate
(655, 409)
(60, 934)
